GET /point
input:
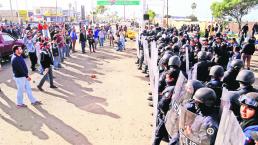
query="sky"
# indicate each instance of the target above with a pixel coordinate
(176, 7)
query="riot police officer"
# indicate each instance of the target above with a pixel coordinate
(216, 73)
(190, 88)
(163, 106)
(249, 115)
(204, 102)
(164, 64)
(174, 63)
(246, 79)
(229, 79)
(202, 67)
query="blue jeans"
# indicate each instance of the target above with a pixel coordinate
(56, 62)
(101, 42)
(61, 53)
(68, 50)
(119, 46)
(23, 85)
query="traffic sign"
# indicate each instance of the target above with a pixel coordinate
(118, 2)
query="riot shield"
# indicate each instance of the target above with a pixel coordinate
(225, 101)
(193, 130)
(230, 132)
(172, 117)
(192, 74)
(155, 70)
(145, 51)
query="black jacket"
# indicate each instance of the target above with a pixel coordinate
(46, 59)
(229, 79)
(19, 66)
(55, 50)
(248, 49)
(82, 37)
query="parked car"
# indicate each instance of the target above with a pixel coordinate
(6, 44)
(131, 34)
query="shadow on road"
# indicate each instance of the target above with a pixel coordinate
(26, 120)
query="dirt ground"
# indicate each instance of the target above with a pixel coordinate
(108, 110)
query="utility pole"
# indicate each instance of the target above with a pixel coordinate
(167, 13)
(56, 10)
(17, 10)
(11, 7)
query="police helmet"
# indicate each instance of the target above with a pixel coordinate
(194, 84)
(237, 64)
(216, 71)
(202, 55)
(174, 61)
(246, 76)
(206, 96)
(165, 59)
(250, 99)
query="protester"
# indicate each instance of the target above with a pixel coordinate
(22, 78)
(29, 42)
(68, 43)
(247, 52)
(74, 38)
(96, 37)
(45, 30)
(82, 39)
(101, 37)
(91, 41)
(111, 37)
(46, 62)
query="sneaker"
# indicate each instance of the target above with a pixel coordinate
(40, 88)
(22, 106)
(150, 104)
(53, 87)
(36, 103)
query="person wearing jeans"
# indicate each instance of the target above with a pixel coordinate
(46, 62)
(83, 39)
(74, 38)
(55, 54)
(101, 37)
(21, 78)
(28, 41)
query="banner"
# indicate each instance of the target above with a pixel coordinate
(23, 14)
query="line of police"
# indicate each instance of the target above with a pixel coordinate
(199, 91)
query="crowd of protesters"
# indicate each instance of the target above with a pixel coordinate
(49, 44)
(215, 63)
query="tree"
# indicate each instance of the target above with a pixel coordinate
(233, 8)
(100, 9)
(152, 14)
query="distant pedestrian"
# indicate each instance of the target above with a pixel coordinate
(83, 39)
(91, 40)
(22, 78)
(101, 37)
(74, 38)
(96, 36)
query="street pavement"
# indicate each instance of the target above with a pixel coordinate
(110, 109)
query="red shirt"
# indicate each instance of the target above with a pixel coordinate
(40, 27)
